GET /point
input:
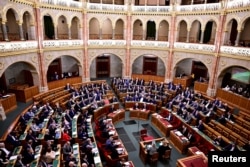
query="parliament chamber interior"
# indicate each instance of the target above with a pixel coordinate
(114, 83)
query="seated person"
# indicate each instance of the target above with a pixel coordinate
(170, 117)
(136, 106)
(222, 119)
(219, 141)
(247, 146)
(4, 153)
(70, 161)
(229, 116)
(200, 126)
(190, 137)
(50, 155)
(67, 149)
(114, 153)
(151, 150)
(163, 148)
(231, 147)
(28, 156)
(110, 143)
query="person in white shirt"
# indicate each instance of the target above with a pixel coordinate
(50, 155)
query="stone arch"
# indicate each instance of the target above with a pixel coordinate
(161, 66)
(116, 69)
(243, 22)
(224, 72)
(7, 8)
(192, 57)
(56, 56)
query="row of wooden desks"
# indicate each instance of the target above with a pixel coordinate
(161, 124)
(117, 115)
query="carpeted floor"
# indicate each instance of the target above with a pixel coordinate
(125, 139)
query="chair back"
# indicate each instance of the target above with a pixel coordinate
(167, 154)
(154, 157)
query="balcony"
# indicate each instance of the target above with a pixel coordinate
(199, 7)
(238, 51)
(194, 47)
(106, 7)
(31, 45)
(17, 46)
(152, 8)
(62, 43)
(68, 3)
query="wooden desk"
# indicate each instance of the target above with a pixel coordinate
(26, 94)
(193, 151)
(201, 87)
(117, 115)
(9, 103)
(185, 81)
(139, 114)
(179, 141)
(161, 124)
(101, 111)
(76, 153)
(143, 147)
(130, 104)
(194, 161)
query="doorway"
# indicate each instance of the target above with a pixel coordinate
(150, 65)
(103, 66)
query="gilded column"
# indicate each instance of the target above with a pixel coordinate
(128, 49)
(41, 59)
(5, 33)
(238, 38)
(168, 75)
(113, 33)
(55, 31)
(69, 31)
(20, 24)
(202, 36)
(211, 91)
(86, 66)
(156, 34)
(188, 34)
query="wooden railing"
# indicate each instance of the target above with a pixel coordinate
(149, 77)
(201, 87)
(234, 100)
(63, 82)
(26, 94)
(9, 103)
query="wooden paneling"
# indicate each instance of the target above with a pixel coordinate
(9, 103)
(234, 100)
(26, 94)
(63, 82)
(149, 77)
(184, 81)
(201, 87)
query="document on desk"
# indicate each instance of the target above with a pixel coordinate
(178, 133)
(13, 157)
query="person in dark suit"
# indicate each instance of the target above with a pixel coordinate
(200, 126)
(163, 148)
(229, 116)
(190, 137)
(247, 146)
(184, 130)
(231, 147)
(12, 139)
(170, 118)
(219, 141)
(29, 156)
(112, 108)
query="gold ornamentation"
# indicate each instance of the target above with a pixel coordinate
(1, 65)
(223, 63)
(208, 61)
(49, 57)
